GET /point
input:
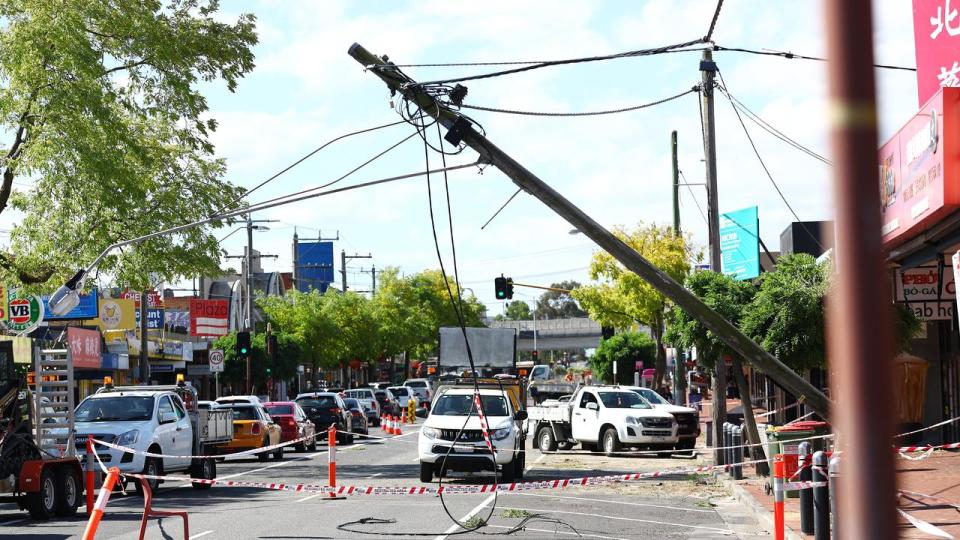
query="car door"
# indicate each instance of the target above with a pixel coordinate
(586, 414)
(182, 433)
(273, 428)
(166, 431)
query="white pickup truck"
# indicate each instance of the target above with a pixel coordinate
(154, 419)
(607, 417)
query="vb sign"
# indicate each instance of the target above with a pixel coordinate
(216, 361)
(24, 313)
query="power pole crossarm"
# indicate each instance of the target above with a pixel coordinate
(753, 353)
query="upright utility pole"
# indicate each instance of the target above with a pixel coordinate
(676, 183)
(248, 287)
(679, 370)
(373, 279)
(859, 309)
(296, 261)
(707, 69)
(144, 344)
(343, 266)
(459, 129)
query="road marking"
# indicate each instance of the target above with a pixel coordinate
(469, 515)
(585, 535)
(14, 522)
(198, 535)
(310, 497)
(374, 475)
(532, 465)
(615, 502)
(636, 520)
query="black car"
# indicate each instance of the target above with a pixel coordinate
(325, 409)
(359, 416)
(387, 404)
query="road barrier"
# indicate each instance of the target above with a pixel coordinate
(94, 522)
(412, 411)
(175, 456)
(779, 474)
(806, 496)
(148, 511)
(332, 456)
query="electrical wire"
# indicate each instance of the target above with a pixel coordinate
(694, 196)
(791, 56)
(502, 206)
(581, 114)
(713, 22)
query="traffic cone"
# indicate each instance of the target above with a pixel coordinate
(383, 422)
(396, 428)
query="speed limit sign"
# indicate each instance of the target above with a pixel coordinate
(216, 361)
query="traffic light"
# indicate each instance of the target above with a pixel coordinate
(503, 287)
(243, 343)
(509, 288)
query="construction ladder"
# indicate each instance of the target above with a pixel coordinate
(53, 402)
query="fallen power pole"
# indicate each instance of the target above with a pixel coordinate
(460, 129)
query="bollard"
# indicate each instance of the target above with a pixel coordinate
(412, 410)
(834, 473)
(806, 495)
(101, 505)
(91, 478)
(778, 517)
(728, 443)
(737, 453)
(709, 428)
(332, 455)
(821, 499)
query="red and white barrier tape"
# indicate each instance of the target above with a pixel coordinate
(483, 421)
(448, 488)
(925, 527)
(927, 428)
(235, 454)
(793, 486)
(771, 413)
(936, 500)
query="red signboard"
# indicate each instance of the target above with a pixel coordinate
(84, 347)
(936, 33)
(154, 300)
(209, 317)
(920, 169)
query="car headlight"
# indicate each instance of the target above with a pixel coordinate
(129, 437)
(429, 432)
(500, 434)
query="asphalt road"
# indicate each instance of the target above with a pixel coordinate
(683, 507)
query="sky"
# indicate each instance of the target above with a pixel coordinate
(306, 90)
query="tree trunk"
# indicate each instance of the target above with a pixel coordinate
(661, 361)
(753, 435)
(719, 408)
(406, 366)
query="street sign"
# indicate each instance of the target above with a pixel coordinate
(154, 318)
(24, 312)
(209, 317)
(740, 243)
(216, 361)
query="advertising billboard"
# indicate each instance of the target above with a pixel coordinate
(740, 243)
(314, 262)
(936, 35)
(88, 308)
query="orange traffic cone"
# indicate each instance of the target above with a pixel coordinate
(396, 428)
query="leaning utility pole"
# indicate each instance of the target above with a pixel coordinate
(707, 69)
(459, 129)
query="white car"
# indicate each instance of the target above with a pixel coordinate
(688, 420)
(403, 396)
(420, 387)
(238, 399)
(368, 401)
(469, 452)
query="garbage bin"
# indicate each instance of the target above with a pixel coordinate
(786, 440)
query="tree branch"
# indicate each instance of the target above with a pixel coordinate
(27, 278)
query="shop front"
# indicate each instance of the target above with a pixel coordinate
(920, 197)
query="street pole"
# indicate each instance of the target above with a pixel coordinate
(858, 306)
(296, 262)
(343, 269)
(248, 285)
(460, 129)
(676, 184)
(144, 345)
(707, 69)
(373, 277)
(679, 370)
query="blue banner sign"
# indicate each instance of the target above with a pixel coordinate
(154, 318)
(740, 243)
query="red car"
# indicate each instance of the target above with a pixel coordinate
(293, 423)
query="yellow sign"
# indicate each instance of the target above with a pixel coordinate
(22, 348)
(116, 314)
(3, 303)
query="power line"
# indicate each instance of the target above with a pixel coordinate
(576, 114)
(713, 22)
(694, 196)
(791, 56)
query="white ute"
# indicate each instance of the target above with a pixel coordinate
(448, 418)
(602, 417)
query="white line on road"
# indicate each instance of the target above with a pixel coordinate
(585, 535)
(469, 515)
(374, 475)
(14, 522)
(637, 520)
(198, 535)
(684, 509)
(314, 496)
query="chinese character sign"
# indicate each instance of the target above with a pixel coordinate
(936, 33)
(84, 347)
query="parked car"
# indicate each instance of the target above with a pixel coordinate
(325, 409)
(206, 405)
(380, 385)
(368, 401)
(404, 394)
(388, 402)
(223, 400)
(422, 388)
(253, 428)
(688, 420)
(293, 423)
(359, 416)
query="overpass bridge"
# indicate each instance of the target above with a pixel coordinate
(554, 334)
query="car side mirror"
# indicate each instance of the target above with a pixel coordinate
(520, 415)
(167, 416)
(593, 406)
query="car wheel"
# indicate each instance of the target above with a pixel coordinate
(68, 484)
(565, 445)
(205, 469)
(426, 472)
(508, 473)
(151, 467)
(263, 456)
(43, 503)
(611, 442)
(545, 439)
(278, 454)
(521, 463)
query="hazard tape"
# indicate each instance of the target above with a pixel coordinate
(175, 456)
(936, 500)
(794, 486)
(927, 448)
(925, 527)
(559, 483)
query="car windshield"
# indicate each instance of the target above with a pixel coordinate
(400, 391)
(244, 413)
(280, 409)
(462, 405)
(623, 400)
(652, 396)
(115, 409)
(352, 404)
(322, 402)
(416, 384)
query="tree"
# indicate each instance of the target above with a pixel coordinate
(100, 108)
(622, 298)
(624, 349)
(302, 316)
(518, 310)
(558, 304)
(235, 367)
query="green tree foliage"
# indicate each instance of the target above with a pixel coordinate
(518, 310)
(786, 316)
(99, 108)
(622, 298)
(289, 355)
(723, 294)
(625, 349)
(559, 305)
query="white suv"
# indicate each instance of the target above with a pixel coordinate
(420, 387)
(368, 401)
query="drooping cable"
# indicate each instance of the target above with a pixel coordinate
(579, 114)
(694, 196)
(790, 56)
(713, 22)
